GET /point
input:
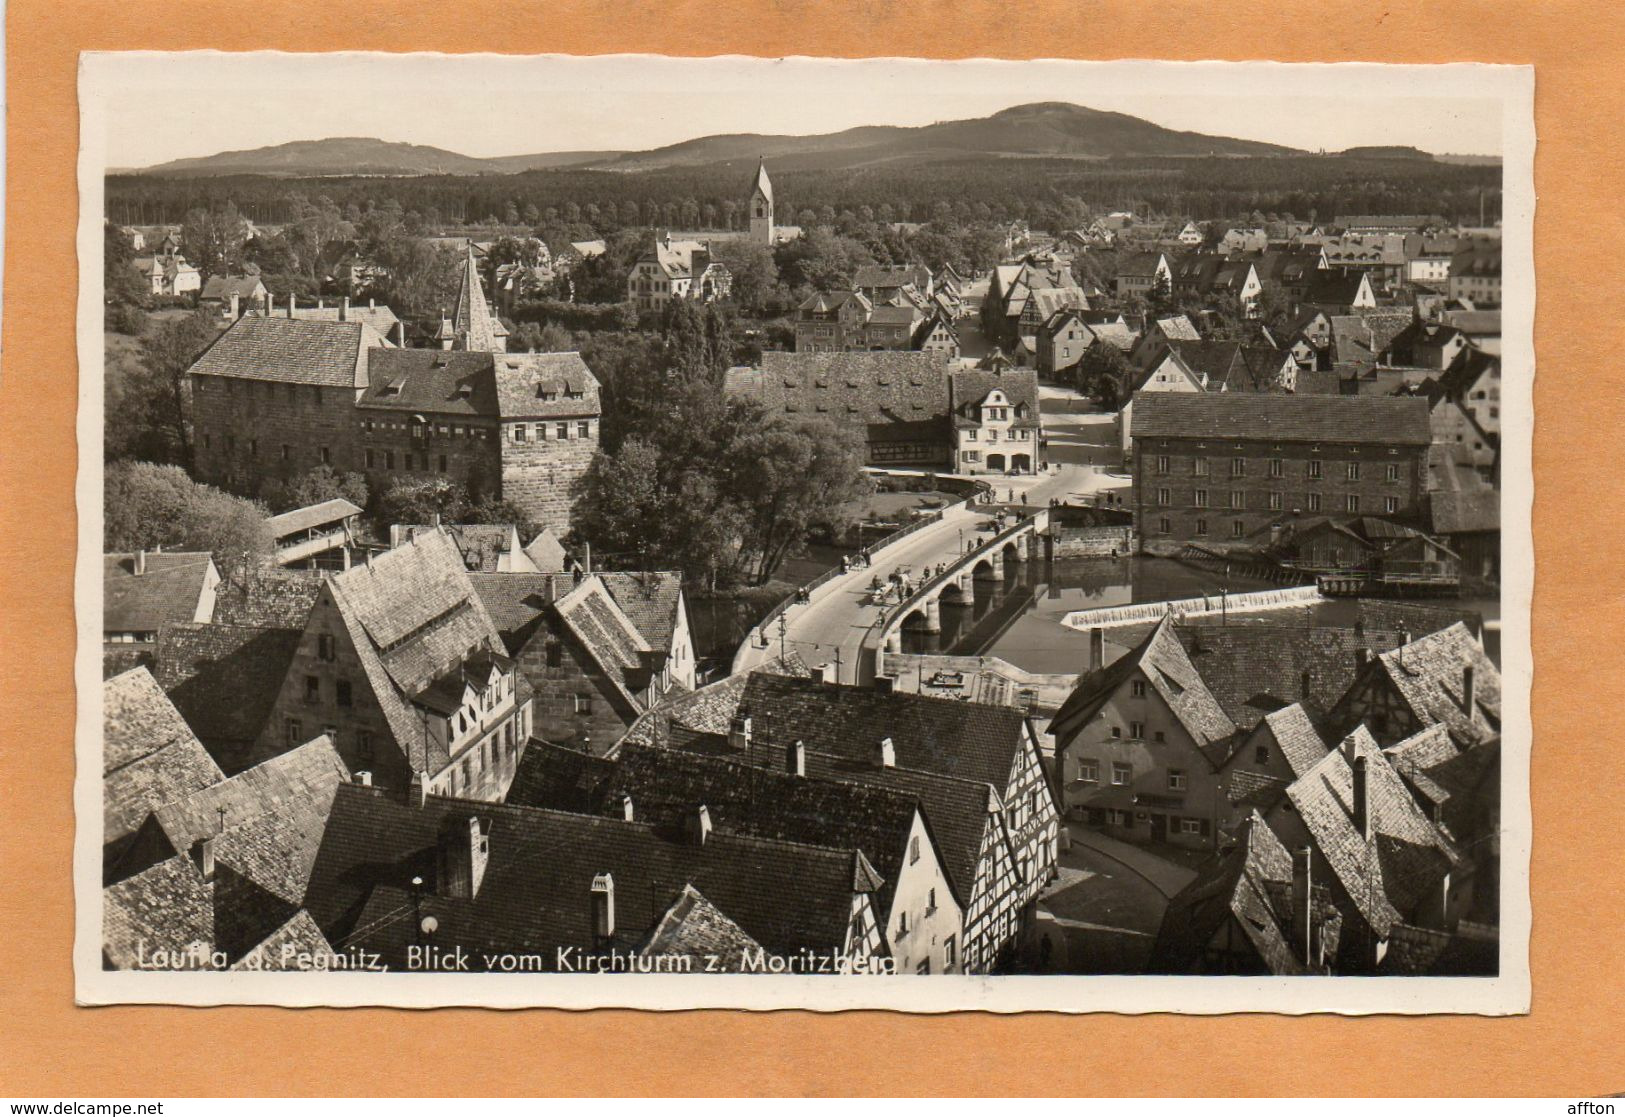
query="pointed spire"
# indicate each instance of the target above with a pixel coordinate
(763, 183)
(475, 327)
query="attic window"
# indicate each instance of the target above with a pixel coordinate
(393, 388)
(464, 389)
(544, 392)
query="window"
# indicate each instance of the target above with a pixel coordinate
(1164, 497)
(1089, 771)
(313, 688)
(369, 459)
(1237, 529)
(1165, 525)
(1201, 467)
(1393, 471)
(584, 429)
(253, 447)
(1139, 688)
(1351, 503)
(583, 703)
(948, 958)
(1353, 471)
(1117, 818)
(1121, 774)
(389, 459)
(555, 653)
(442, 463)
(287, 452)
(970, 436)
(520, 432)
(363, 744)
(1201, 526)
(1275, 467)
(1314, 502)
(1117, 731)
(342, 688)
(1136, 730)
(1390, 504)
(326, 647)
(541, 432)
(1314, 470)
(1201, 498)
(1275, 502)
(1190, 826)
(913, 850)
(1238, 467)
(562, 431)
(293, 730)
(1176, 779)
(326, 455)
(931, 902)
(1160, 737)
(1238, 499)
(924, 968)
(1261, 754)
(1162, 463)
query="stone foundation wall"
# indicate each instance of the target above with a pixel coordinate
(541, 477)
(1093, 542)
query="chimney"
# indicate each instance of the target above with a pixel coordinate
(464, 849)
(372, 304)
(1362, 799)
(363, 778)
(400, 334)
(796, 759)
(292, 305)
(628, 812)
(138, 566)
(1468, 696)
(344, 309)
(885, 684)
(397, 535)
(1302, 923)
(699, 825)
(434, 518)
(203, 853)
(586, 556)
(321, 303)
(1362, 656)
(1097, 648)
(270, 302)
(603, 907)
(739, 733)
(236, 306)
(417, 792)
(886, 755)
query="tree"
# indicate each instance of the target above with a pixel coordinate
(800, 477)
(123, 290)
(147, 506)
(418, 500)
(321, 483)
(755, 275)
(214, 239)
(1103, 373)
(148, 400)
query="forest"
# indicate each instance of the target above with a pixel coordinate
(1050, 194)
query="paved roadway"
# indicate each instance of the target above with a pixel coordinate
(832, 626)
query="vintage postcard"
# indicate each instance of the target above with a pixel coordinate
(804, 533)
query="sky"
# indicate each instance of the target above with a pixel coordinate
(160, 107)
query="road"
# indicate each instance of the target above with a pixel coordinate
(1100, 916)
(833, 624)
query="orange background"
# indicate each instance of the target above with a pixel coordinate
(1570, 1045)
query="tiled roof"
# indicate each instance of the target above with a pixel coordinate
(266, 597)
(966, 739)
(292, 351)
(969, 387)
(1477, 258)
(412, 612)
(1238, 886)
(764, 800)
(515, 600)
(540, 385)
(1335, 286)
(1165, 664)
(224, 679)
(1428, 674)
(482, 546)
(651, 600)
(225, 286)
(380, 319)
(1140, 264)
(596, 621)
(537, 885)
(312, 515)
(493, 385)
(708, 710)
(267, 821)
(546, 552)
(472, 320)
(1380, 420)
(170, 589)
(1455, 512)
(1256, 670)
(891, 275)
(168, 907)
(693, 927)
(1387, 877)
(149, 754)
(1050, 300)
(1296, 736)
(559, 778)
(297, 945)
(877, 389)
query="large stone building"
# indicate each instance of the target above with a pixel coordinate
(274, 397)
(1233, 470)
(674, 270)
(912, 408)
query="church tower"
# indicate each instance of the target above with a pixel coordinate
(471, 325)
(761, 208)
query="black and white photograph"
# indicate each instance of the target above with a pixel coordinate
(805, 533)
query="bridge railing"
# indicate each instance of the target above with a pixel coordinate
(874, 641)
(977, 488)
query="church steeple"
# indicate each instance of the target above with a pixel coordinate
(761, 206)
(473, 326)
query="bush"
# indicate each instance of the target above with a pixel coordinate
(146, 506)
(126, 318)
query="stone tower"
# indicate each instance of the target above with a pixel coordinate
(761, 207)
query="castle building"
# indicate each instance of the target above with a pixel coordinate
(275, 397)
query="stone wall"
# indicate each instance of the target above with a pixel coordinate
(462, 449)
(241, 427)
(1093, 542)
(541, 477)
(554, 713)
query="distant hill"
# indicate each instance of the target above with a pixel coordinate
(340, 155)
(1050, 129)
(1394, 151)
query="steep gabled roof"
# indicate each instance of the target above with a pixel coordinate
(693, 927)
(537, 886)
(1163, 662)
(1428, 674)
(597, 622)
(260, 596)
(1256, 670)
(149, 754)
(473, 323)
(169, 589)
(224, 679)
(1387, 877)
(1382, 420)
(652, 600)
(292, 351)
(762, 183)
